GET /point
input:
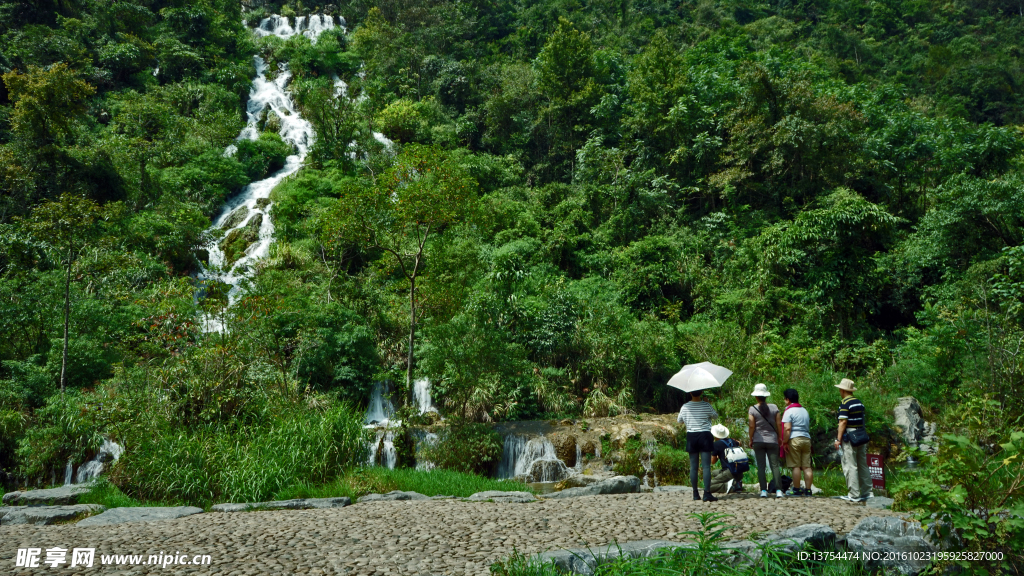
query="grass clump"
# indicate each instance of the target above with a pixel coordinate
(377, 480)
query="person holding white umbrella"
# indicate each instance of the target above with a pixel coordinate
(697, 415)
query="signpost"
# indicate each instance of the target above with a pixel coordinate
(877, 468)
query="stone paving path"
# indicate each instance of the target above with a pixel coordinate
(430, 537)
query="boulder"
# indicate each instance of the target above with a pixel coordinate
(586, 560)
(908, 420)
(620, 434)
(565, 449)
(505, 497)
(51, 496)
(615, 485)
(140, 514)
(295, 504)
(882, 536)
(46, 515)
(235, 218)
(577, 481)
(393, 495)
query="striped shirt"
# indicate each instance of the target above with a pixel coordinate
(697, 416)
(852, 410)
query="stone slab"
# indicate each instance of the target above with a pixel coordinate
(139, 514)
(586, 560)
(880, 535)
(392, 496)
(506, 497)
(46, 515)
(294, 504)
(47, 497)
(615, 485)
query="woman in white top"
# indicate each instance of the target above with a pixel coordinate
(697, 415)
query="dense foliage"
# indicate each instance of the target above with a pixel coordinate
(580, 198)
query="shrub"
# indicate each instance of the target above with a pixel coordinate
(466, 447)
(671, 466)
(965, 492)
(263, 156)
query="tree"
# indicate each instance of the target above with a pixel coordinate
(68, 224)
(47, 101)
(424, 192)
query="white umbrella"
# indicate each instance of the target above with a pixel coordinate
(701, 376)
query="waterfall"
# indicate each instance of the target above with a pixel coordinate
(109, 452)
(531, 459)
(421, 392)
(383, 445)
(380, 409)
(248, 213)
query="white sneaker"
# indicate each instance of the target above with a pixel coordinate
(779, 494)
(848, 498)
(764, 493)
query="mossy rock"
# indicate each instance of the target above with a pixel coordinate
(262, 203)
(236, 242)
(235, 218)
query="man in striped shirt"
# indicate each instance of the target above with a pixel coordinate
(855, 458)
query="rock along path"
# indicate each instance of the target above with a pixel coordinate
(429, 537)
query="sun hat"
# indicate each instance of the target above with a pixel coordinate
(846, 384)
(719, 431)
(761, 390)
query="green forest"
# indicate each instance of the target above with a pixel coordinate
(580, 197)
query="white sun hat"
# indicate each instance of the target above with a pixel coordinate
(761, 390)
(719, 431)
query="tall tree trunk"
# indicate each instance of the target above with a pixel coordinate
(412, 336)
(67, 319)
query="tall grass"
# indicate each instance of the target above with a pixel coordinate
(211, 464)
(438, 482)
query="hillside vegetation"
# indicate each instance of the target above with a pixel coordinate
(581, 197)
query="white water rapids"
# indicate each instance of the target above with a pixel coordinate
(253, 200)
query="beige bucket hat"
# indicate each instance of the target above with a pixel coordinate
(846, 384)
(761, 390)
(719, 431)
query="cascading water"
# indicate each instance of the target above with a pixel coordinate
(378, 418)
(248, 212)
(380, 409)
(421, 392)
(109, 452)
(532, 460)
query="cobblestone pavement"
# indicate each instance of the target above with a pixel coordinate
(413, 537)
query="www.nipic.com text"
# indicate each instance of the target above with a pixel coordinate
(86, 557)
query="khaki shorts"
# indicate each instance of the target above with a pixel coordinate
(799, 453)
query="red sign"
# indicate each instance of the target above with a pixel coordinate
(875, 465)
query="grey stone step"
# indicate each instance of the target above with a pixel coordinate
(48, 497)
(295, 504)
(393, 495)
(14, 515)
(139, 514)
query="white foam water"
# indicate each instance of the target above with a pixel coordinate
(421, 392)
(531, 459)
(271, 95)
